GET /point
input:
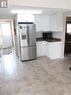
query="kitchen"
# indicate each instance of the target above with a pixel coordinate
(49, 73)
(49, 33)
(50, 30)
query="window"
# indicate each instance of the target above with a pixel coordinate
(68, 27)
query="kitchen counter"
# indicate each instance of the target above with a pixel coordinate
(49, 40)
(48, 48)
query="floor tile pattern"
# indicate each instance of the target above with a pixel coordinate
(36, 77)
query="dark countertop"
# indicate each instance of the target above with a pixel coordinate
(49, 40)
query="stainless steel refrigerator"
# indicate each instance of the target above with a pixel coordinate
(27, 40)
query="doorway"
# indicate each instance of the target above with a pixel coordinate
(6, 36)
(68, 37)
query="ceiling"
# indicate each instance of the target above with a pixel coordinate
(7, 11)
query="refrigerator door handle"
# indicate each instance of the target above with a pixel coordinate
(28, 38)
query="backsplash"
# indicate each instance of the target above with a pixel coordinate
(38, 34)
(57, 34)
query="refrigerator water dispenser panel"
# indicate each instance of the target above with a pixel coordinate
(23, 37)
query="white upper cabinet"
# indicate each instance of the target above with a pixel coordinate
(25, 17)
(38, 22)
(56, 22)
(45, 22)
(53, 22)
(42, 22)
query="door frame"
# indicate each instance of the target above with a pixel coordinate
(12, 30)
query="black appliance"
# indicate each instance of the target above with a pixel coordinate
(47, 35)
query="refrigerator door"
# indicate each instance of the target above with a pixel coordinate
(31, 35)
(23, 35)
(28, 53)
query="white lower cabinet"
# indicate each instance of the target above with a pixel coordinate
(54, 50)
(50, 49)
(38, 49)
(41, 45)
(46, 50)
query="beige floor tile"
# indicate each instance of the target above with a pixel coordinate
(37, 77)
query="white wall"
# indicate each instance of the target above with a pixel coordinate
(65, 4)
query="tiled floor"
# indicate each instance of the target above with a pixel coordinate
(37, 77)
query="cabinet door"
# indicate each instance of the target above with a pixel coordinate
(46, 49)
(38, 22)
(41, 48)
(53, 22)
(42, 22)
(38, 48)
(56, 22)
(45, 22)
(54, 50)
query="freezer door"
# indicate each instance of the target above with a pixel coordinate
(28, 53)
(32, 34)
(23, 34)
